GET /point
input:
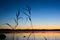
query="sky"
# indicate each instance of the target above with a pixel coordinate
(44, 13)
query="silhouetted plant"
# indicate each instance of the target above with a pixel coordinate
(28, 9)
(9, 25)
(16, 19)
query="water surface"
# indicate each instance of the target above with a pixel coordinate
(33, 36)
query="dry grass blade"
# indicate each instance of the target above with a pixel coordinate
(29, 18)
(16, 24)
(18, 14)
(9, 25)
(15, 20)
(26, 14)
(29, 9)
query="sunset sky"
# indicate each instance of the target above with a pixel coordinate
(45, 14)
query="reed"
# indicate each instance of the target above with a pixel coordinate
(16, 19)
(28, 9)
(28, 14)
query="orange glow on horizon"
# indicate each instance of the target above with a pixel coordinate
(34, 27)
(45, 34)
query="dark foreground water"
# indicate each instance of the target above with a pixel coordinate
(33, 36)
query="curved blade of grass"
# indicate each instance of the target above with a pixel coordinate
(26, 14)
(9, 25)
(15, 20)
(18, 14)
(29, 18)
(29, 14)
(29, 9)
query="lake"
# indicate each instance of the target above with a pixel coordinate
(47, 35)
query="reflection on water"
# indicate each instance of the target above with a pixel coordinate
(33, 36)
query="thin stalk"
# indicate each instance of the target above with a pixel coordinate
(29, 36)
(31, 25)
(16, 21)
(29, 17)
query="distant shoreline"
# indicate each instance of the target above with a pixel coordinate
(28, 30)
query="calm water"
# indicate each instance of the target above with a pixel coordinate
(33, 36)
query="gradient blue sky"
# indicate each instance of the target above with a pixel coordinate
(43, 12)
